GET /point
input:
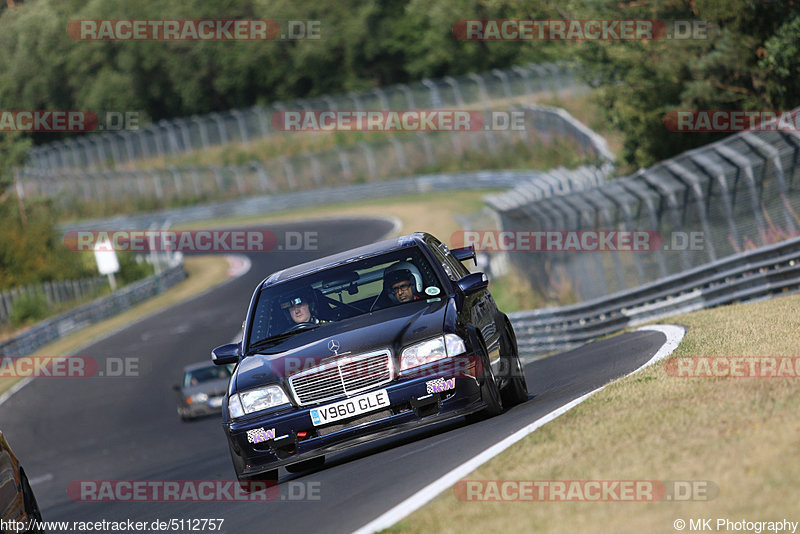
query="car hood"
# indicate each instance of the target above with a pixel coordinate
(393, 328)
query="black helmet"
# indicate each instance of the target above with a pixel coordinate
(299, 297)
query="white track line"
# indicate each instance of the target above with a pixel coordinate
(13, 389)
(387, 519)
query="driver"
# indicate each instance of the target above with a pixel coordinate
(301, 309)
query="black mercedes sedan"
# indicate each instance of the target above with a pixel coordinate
(360, 346)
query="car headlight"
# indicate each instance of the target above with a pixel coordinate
(197, 397)
(235, 406)
(258, 399)
(431, 351)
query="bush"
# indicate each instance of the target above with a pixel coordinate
(28, 308)
(132, 268)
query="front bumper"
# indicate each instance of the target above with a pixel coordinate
(295, 438)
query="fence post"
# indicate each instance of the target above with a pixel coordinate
(371, 167)
(744, 166)
(435, 99)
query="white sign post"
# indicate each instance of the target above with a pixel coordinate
(107, 261)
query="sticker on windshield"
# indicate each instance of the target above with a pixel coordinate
(432, 291)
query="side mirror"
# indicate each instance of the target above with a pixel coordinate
(176, 387)
(465, 254)
(472, 283)
(225, 354)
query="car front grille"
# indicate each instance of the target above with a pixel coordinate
(345, 376)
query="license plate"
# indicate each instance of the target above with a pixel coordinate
(215, 402)
(347, 408)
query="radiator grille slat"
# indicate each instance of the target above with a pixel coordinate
(346, 376)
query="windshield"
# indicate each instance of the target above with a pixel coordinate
(374, 283)
(207, 374)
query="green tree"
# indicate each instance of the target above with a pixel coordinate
(749, 61)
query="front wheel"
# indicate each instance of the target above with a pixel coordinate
(490, 392)
(516, 391)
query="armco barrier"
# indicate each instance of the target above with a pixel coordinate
(737, 194)
(758, 274)
(55, 292)
(59, 326)
(260, 205)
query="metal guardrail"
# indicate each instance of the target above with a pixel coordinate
(55, 293)
(112, 149)
(547, 122)
(264, 204)
(736, 194)
(752, 275)
(59, 326)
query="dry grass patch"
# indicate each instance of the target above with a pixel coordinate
(741, 434)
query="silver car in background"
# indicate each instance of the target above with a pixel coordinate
(202, 389)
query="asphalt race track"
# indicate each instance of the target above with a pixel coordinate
(109, 428)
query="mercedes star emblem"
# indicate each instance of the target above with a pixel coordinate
(333, 346)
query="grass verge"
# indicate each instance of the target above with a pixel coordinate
(742, 434)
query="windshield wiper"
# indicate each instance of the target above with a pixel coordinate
(272, 340)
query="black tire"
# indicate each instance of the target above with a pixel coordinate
(306, 465)
(490, 392)
(31, 506)
(516, 390)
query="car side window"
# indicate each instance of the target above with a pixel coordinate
(435, 247)
(456, 265)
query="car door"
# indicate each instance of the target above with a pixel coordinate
(479, 306)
